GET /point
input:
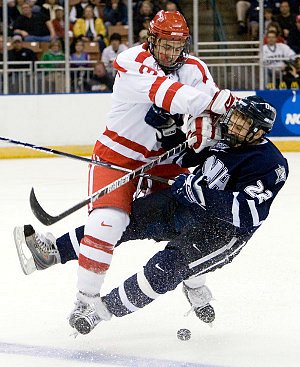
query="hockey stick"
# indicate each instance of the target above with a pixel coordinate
(63, 154)
(78, 158)
(48, 220)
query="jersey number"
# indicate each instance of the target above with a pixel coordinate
(146, 69)
(258, 191)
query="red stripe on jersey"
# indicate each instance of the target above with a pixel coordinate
(118, 67)
(170, 94)
(199, 66)
(107, 154)
(142, 56)
(213, 132)
(92, 265)
(155, 86)
(132, 145)
(97, 244)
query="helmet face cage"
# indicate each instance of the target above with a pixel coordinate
(160, 55)
(245, 119)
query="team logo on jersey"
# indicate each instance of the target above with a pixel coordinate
(290, 113)
(281, 174)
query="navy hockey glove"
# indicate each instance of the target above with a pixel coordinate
(167, 126)
(163, 121)
(187, 190)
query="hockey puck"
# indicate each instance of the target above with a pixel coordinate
(184, 334)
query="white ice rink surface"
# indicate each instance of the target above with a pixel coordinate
(257, 297)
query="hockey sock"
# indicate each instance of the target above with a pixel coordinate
(68, 244)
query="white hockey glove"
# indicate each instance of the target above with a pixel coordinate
(206, 133)
(222, 102)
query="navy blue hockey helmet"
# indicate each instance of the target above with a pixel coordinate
(259, 114)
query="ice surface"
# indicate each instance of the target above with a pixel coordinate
(257, 297)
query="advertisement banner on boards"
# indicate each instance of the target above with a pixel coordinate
(287, 104)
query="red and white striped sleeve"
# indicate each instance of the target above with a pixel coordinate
(137, 82)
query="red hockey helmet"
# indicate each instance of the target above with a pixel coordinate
(169, 27)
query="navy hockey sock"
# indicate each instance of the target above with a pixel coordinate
(67, 244)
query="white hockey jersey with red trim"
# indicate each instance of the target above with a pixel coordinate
(128, 141)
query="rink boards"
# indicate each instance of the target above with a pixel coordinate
(72, 122)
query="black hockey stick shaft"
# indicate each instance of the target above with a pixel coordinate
(75, 157)
(48, 220)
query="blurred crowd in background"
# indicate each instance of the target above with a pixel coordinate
(99, 32)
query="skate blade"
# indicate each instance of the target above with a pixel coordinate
(26, 260)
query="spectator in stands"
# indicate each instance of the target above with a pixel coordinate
(163, 4)
(110, 52)
(14, 9)
(142, 18)
(90, 28)
(49, 9)
(143, 37)
(268, 18)
(77, 10)
(274, 55)
(157, 5)
(115, 13)
(171, 6)
(59, 23)
(12, 15)
(79, 54)
(274, 26)
(78, 60)
(101, 81)
(242, 8)
(291, 75)
(293, 39)
(286, 19)
(20, 53)
(54, 53)
(55, 79)
(33, 27)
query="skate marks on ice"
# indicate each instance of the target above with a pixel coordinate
(88, 357)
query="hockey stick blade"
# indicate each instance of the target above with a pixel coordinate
(46, 218)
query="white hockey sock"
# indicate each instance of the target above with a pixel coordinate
(102, 231)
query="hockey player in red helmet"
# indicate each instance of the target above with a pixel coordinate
(169, 40)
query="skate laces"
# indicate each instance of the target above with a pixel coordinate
(199, 297)
(95, 303)
(44, 244)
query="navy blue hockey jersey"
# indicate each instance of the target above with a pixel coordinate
(238, 184)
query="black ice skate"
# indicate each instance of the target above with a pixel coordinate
(36, 251)
(199, 299)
